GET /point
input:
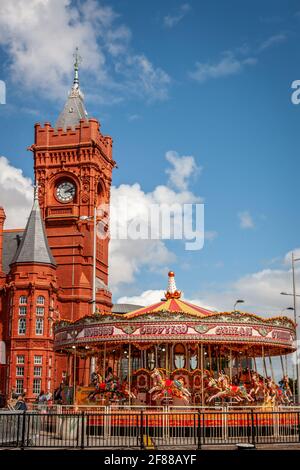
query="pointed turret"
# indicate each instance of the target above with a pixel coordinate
(74, 109)
(34, 247)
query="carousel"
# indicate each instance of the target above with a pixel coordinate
(174, 352)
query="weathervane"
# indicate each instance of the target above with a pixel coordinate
(78, 60)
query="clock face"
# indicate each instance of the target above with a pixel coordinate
(65, 191)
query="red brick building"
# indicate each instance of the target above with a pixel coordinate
(47, 270)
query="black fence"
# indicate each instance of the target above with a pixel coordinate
(147, 429)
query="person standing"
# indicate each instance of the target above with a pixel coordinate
(21, 403)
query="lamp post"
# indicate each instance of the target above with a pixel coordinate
(94, 218)
(295, 320)
(74, 375)
(239, 301)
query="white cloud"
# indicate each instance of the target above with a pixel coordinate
(40, 36)
(141, 78)
(16, 194)
(272, 41)
(182, 169)
(172, 20)
(153, 254)
(246, 220)
(148, 297)
(228, 65)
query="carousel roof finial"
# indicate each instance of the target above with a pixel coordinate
(172, 292)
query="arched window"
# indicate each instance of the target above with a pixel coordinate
(22, 326)
(40, 300)
(179, 356)
(23, 300)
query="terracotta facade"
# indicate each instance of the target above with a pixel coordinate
(34, 294)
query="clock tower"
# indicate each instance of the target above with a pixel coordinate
(73, 169)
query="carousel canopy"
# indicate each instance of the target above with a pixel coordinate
(175, 320)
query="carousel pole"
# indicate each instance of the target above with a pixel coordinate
(104, 361)
(202, 368)
(129, 372)
(209, 355)
(167, 359)
(264, 362)
(230, 365)
(282, 366)
(255, 365)
(271, 367)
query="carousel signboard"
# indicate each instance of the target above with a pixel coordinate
(183, 331)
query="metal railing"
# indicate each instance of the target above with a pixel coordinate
(161, 428)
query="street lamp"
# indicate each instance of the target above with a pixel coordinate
(94, 218)
(285, 293)
(239, 301)
(74, 376)
(287, 308)
(295, 319)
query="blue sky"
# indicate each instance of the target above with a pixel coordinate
(210, 80)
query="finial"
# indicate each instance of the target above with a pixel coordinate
(78, 60)
(36, 191)
(172, 292)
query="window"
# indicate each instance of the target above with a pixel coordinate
(22, 310)
(21, 359)
(19, 385)
(22, 326)
(36, 385)
(41, 300)
(40, 310)
(20, 371)
(23, 300)
(179, 356)
(39, 326)
(38, 359)
(37, 371)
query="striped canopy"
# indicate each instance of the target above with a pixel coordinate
(171, 306)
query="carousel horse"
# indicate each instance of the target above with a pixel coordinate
(96, 379)
(257, 385)
(210, 385)
(111, 386)
(274, 394)
(227, 390)
(167, 387)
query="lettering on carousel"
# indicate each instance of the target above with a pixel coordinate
(166, 330)
(283, 335)
(234, 331)
(98, 331)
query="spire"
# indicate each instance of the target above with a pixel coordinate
(74, 109)
(172, 292)
(34, 246)
(78, 60)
